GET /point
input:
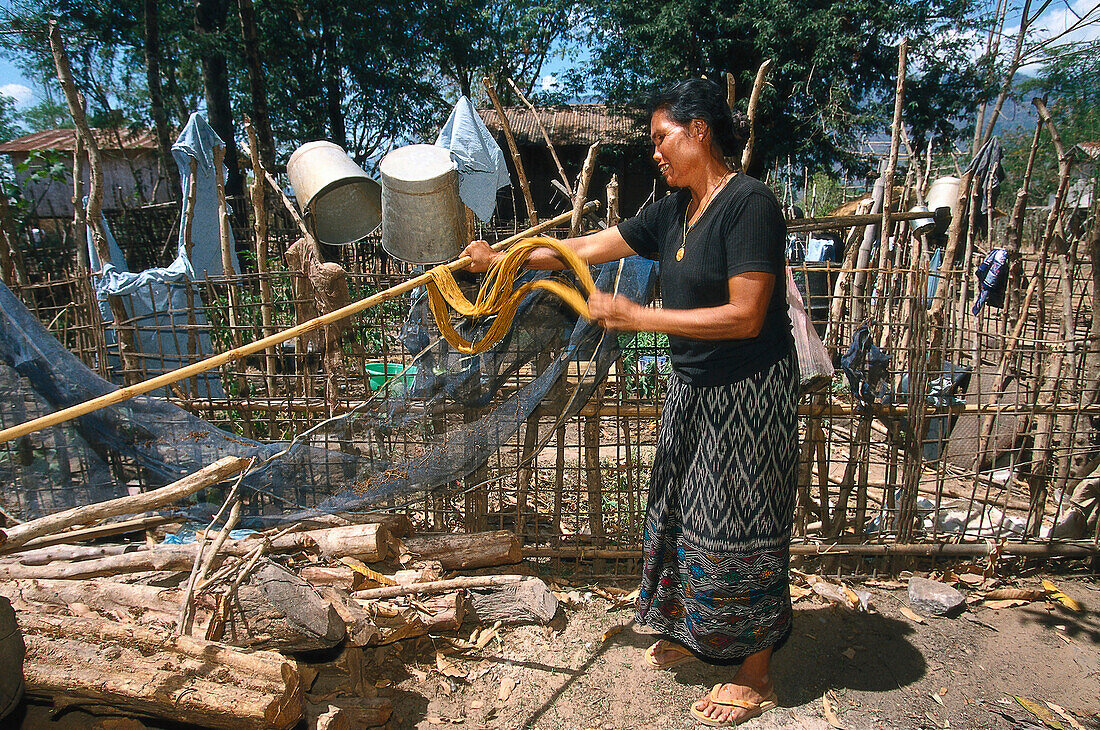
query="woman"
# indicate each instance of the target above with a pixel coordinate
(721, 496)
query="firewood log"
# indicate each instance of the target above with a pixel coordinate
(153, 673)
(467, 550)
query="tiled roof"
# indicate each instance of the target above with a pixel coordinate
(580, 124)
(64, 140)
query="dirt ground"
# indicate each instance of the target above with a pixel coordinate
(878, 669)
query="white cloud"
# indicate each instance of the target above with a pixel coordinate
(1064, 15)
(23, 95)
(549, 82)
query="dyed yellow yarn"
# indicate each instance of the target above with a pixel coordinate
(497, 295)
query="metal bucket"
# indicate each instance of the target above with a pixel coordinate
(944, 193)
(341, 203)
(921, 226)
(423, 221)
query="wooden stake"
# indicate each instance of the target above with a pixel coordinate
(532, 214)
(259, 222)
(754, 102)
(545, 135)
(583, 181)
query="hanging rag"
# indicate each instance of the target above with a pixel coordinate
(482, 169)
(497, 296)
(866, 368)
(992, 274)
(988, 173)
(202, 253)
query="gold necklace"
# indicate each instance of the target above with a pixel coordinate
(702, 207)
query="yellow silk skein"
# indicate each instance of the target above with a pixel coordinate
(497, 295)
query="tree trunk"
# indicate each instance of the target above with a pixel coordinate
(334, 90)
(152, 673)
(257, 84)
(156, 98)
(210, 20)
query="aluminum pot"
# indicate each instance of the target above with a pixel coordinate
(342, 204)
(423, 219)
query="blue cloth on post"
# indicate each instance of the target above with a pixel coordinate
(992, 274)
(482, 169)
(197, 141)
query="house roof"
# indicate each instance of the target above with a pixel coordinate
(64, 140)
(579, 124)
(1092, 149)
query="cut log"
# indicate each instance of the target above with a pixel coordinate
(365, 542)
(445, 612)
(341, 576)
(528, 601)
(111, 529)
(398, 525)
(353, 713)
(274, 610)
(73, 553)
(152, 673)
(279, 610)
(12, 537)
(467, 550)
(359, 625)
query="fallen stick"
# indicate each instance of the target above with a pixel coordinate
(13, 537)
(438, 586)
(160, 381)
(111, 529)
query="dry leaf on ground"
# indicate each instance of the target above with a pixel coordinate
(1006, 603)
(1040, 712)
(1055, 594)
(447, 668)
(1024, 594)
(830, 713)
(911, 615)
(1066, 716)
(507, 684)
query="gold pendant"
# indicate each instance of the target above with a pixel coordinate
(680, 254)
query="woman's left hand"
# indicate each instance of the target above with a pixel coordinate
(614, 312)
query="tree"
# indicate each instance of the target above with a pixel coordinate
(1069, 80)
(835, 63)
(9, 125)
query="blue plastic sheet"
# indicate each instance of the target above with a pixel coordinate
(482, 169)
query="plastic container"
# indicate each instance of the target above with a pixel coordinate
(341, 203)
(380, 372)
(944, 193)
(423, 219)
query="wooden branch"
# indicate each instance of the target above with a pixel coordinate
(583, 181)
(80, 227)
(12, 537)
(837, 222)
(148, 672)
(111, 529)
(11, 260)
(731, 90)
(754, 102)
(532, 214)
(94, 216)
(438, 586)
(237, 353)
(545, 136)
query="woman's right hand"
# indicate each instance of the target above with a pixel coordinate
(481, 256)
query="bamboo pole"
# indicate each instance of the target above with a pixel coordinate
(438, 586)
(237, 353)
(532, 214)
(754, 103)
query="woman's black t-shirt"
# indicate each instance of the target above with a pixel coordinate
(741, 230)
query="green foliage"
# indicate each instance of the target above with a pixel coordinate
(645, 364)
(9, 124)
(835, 63)
(1070, 83)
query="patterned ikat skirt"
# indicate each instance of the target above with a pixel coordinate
(718, 523)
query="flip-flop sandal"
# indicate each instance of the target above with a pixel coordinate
(684, 657)
(754, 709)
